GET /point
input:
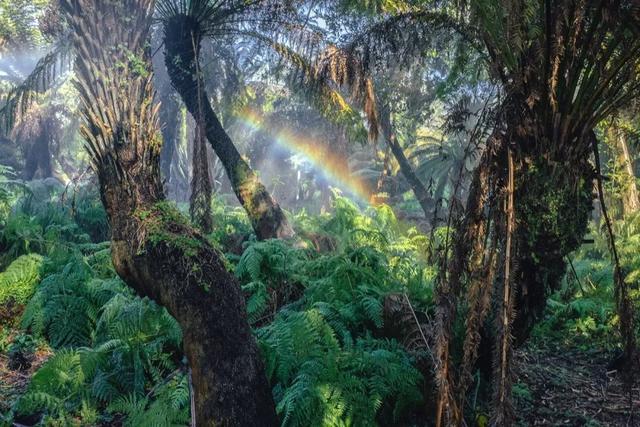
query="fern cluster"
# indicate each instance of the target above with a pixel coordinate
(117, 354)
(268, 271)
(320, 379)
(18, 281)
(318, 317)
(41, 220)
(165, 406)
(8, 186)
(324, 350)
(590, 313)
(582, 311)
(228, 221)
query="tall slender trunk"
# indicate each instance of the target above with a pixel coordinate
(180, 167)
(169, 111)
(169, 114)
(631, 199)
(503, 414)
(418, 188)
(182, 48)
(200, 200)
(154, 249)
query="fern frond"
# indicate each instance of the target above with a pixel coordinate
(48, 69)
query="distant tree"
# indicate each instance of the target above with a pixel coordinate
(19, 29)
(186, 24)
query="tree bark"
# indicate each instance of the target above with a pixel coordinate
(169, 112)
(182, 48)
(631, 199)
(200, 200)
(153, 248)
(38, 155)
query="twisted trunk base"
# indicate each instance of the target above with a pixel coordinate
(174, 265)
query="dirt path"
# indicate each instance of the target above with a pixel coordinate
(562, 387)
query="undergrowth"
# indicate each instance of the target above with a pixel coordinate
(117, 357)
(317, 308)
(582, 313)
(318, 317)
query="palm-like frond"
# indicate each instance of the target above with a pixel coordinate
(400, 38)
(45, 74)
(215, 18)
(106, 99)
(273, 24)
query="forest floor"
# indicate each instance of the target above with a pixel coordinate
(556, 386)
(14, 382)
(560, 386)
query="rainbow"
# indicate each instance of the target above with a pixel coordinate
(318, 155)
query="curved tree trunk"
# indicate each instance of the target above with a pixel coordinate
(418, 188)
(153, 248)
(182, 45)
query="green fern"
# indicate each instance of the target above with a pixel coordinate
(56, 387)
(113, 344)
(18, 281)
(321, 382)
(64, 308)
(170, 406)
(271, 273)
(315, 317)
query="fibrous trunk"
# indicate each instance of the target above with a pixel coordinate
(182, 44)
(200, 200)
(552, 200)
(169, 113)
(466, 251)
(154, 249)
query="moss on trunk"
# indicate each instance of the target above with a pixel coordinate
(154, 249)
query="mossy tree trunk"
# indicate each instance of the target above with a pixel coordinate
(552, 202)
(153, 248)
(182, 41)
